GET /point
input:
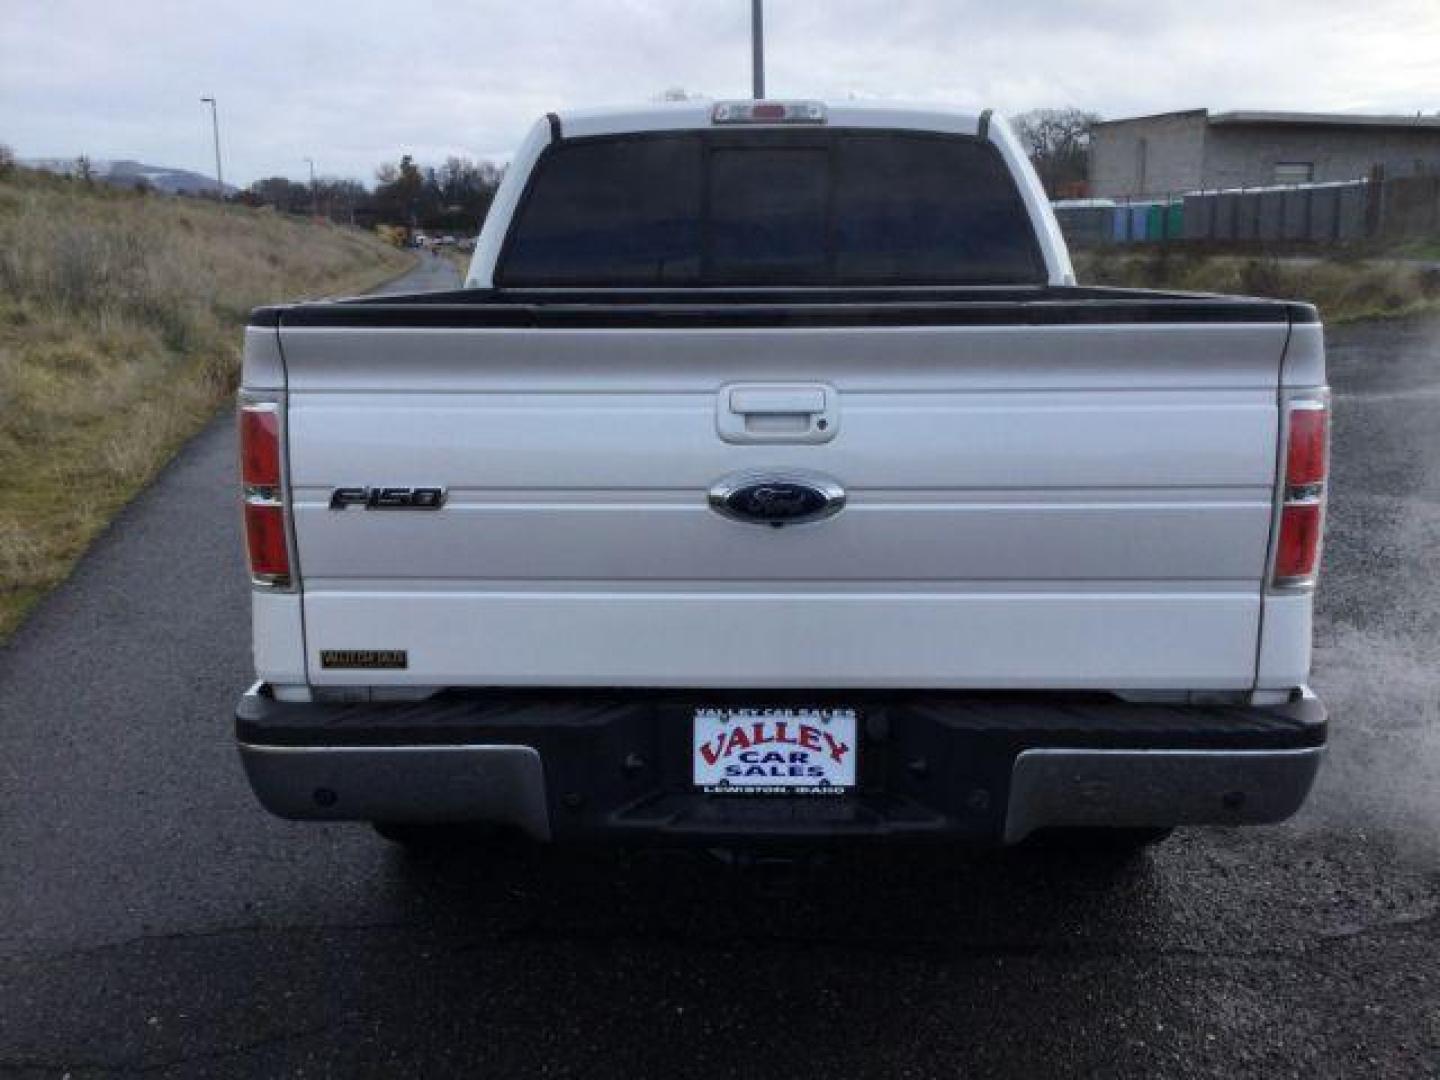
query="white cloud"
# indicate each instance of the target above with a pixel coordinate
(356, 83)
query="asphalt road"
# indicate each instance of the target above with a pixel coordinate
(155, 920)
(431, 274)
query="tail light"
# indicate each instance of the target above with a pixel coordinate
(1302, 499)
(768, 112)
(267, 529)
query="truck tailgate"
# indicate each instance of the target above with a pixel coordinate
(1075, 505)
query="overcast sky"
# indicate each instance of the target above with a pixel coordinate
(353, 83)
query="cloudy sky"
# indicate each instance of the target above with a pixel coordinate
(353, 83)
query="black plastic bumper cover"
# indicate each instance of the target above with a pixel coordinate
(617, 762)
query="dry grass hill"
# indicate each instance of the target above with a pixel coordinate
(120, 327)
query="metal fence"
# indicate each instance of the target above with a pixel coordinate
(1315, 214)
(1311, 213)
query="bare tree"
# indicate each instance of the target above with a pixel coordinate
(1058, 142)
(282, 193)
(7, 160)
(84, 171)
(338, 197)
(453, 197)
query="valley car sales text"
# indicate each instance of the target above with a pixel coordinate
(759, 746)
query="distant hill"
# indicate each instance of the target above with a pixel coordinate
(128, 173)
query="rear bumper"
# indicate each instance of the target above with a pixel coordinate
(615, 764)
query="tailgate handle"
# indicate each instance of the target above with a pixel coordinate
(777, 412)
(789, 401)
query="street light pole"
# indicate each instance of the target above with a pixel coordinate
(757, 47)
(215, 127)
(314, 198)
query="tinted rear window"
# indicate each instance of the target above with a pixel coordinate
(611, 212)
(767, 214)
(771, 208)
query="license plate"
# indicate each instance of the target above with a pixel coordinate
(774, 751)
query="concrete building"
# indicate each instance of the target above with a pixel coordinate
(1170, 153)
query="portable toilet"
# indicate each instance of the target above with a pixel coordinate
(1139, 219)
(1120, 225)
(1175, 214)
(1155, 222)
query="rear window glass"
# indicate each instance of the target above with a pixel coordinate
(767, 214)
(771, 208)
(611, 212)
(929, 210)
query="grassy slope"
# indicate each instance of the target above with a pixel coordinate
(120, 320)
(1343, 289)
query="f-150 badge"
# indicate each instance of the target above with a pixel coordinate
(788, 498)
(388, 498)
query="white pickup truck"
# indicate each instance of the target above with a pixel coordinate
(771, 478)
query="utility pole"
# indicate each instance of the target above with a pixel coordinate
(215, 127)
(314, 198)
(757, 47)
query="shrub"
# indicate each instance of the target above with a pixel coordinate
(1263, 277)
(1341, 288)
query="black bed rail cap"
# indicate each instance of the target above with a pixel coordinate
(578, 308)
(265, 316)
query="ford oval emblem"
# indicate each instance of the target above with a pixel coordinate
(789, 498)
